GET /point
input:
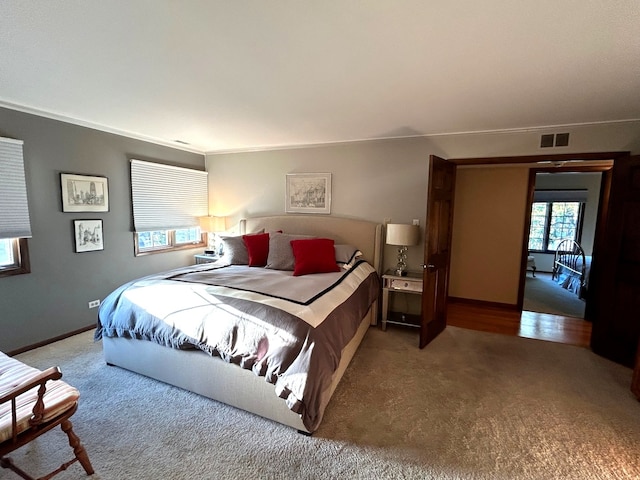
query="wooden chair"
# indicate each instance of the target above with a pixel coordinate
(32, 403)
(531, 264)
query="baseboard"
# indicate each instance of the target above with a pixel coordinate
(483, 303)
(50, 340)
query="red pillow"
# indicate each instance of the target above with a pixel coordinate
(258, 248)
(313, 255)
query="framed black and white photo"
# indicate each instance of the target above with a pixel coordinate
(308, 193)
(84, 193)
(88, 235)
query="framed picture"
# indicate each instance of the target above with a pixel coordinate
(308, 193)
(88, 235)
(82, 193)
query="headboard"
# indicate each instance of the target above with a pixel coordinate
(365, 235)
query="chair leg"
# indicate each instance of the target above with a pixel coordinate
(78, 449)
(6, 462)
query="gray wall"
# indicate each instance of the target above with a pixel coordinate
(387, 179)
(52, 299)
(375, 180)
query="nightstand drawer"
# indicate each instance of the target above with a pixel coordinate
(408, 285)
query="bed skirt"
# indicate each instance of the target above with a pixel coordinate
(214, 378)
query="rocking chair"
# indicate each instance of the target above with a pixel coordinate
(32, 403)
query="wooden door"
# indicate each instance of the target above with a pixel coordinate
(616, 287)
(437, 248)
(635, 380)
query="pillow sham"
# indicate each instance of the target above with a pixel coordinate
(314, 255)
(280, 252)
(347, 255)
(257, 248)
(234, 251)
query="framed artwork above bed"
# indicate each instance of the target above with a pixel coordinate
(308, 193)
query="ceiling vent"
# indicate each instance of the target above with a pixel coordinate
(546, 141)
(554, 140)
(562, 139)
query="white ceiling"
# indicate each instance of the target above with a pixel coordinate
(238, 74)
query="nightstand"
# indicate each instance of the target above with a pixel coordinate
(392, 283)
(202, 258)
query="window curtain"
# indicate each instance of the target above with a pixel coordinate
(14, 207)
(165, 197)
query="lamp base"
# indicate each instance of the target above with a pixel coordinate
(400, 273)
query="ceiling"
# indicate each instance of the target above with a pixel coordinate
(239, 75)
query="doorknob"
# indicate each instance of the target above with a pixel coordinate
(429, 267)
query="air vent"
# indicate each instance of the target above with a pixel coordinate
(554, 140)
(546, 141)
(562, 139)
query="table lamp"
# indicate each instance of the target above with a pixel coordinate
(402, 235)
(212, 225)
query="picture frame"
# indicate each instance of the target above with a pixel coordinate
(84, 193)
(88, 235)
(308, 193)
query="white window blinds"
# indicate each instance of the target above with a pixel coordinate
(166, 197)
(14, 208)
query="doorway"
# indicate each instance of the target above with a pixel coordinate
(565, 206)
(534, 322)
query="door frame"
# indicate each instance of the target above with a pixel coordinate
(566, 157)
(605, 187)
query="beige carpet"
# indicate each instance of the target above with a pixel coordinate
(472, 405)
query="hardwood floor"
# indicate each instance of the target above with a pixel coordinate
(541, 326)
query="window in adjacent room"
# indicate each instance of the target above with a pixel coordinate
(15, 224)
(167, 202)
(555, 216)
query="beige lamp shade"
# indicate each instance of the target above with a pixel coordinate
(402, 234)
(212, 224)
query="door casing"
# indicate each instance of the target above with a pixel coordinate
(605, 192)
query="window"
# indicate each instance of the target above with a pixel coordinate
(165, 240)
(14, 256)
(15, 224)
(167, 204)
(552, 222)
(7, 253)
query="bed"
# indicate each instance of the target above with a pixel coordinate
(571, 267)
(233, 337)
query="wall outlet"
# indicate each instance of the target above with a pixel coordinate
(94, 304)
(416, 222)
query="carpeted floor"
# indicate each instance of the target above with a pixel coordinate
(472, 405)
(541, 294)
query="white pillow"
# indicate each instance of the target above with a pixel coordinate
(347, 255)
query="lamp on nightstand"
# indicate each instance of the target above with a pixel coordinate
(402, 235)
(212, 225)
